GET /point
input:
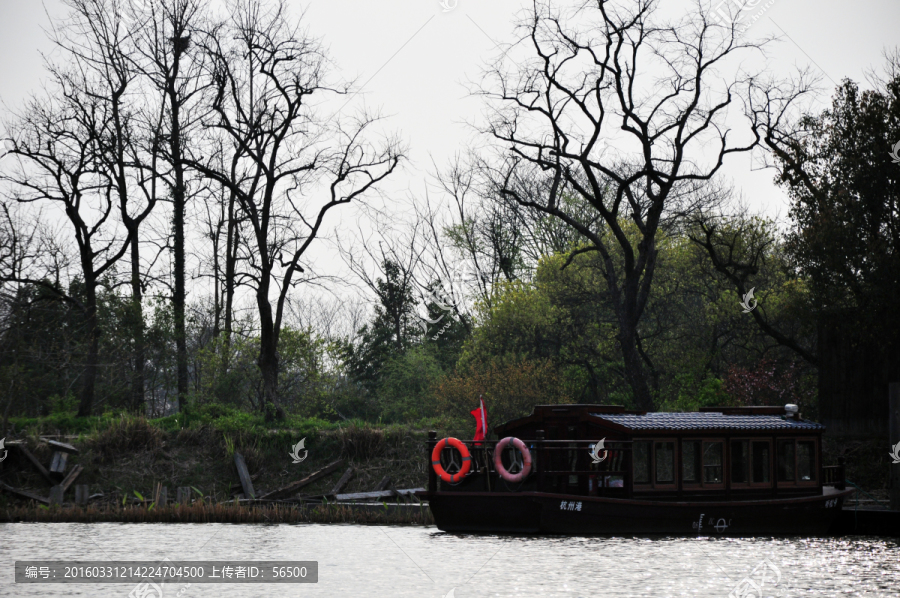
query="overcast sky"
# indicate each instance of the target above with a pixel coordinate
(414, 57)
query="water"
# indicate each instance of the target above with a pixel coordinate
(422, 562)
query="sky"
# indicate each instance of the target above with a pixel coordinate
(413, 60)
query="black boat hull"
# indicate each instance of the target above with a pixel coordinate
(539, 512)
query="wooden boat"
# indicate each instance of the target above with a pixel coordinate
(739, 471)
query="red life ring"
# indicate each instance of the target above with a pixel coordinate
(436, 460)
(526, 459)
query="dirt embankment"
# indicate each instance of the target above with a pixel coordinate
(135, 456)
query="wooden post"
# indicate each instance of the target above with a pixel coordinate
(56, 495)
(894, 424)
(383, 484)
(82, 491)
(183, 495)
(432, 477)
(244, 474)
(160, 495)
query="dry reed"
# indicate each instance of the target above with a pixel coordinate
(223, 513)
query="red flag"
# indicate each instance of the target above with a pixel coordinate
(480, 421)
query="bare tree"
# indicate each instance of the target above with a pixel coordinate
(620, 109)
(98, 39)
(224, 225)
(485, 231)
(287, 165)
(57, 143)
(397, 261)
(173, 65)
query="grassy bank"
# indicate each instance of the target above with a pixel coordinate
(125, 457)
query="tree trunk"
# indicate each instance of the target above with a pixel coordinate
(137, 380)
(626, 310)
(93, 356)
(178, 201)
(634, 369)
(231, 245)
(268, 354)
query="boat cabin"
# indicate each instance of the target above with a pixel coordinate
(716, 453)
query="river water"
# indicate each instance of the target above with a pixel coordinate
(422, 562)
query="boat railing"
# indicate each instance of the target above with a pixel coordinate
(554, 464)
(834, 475)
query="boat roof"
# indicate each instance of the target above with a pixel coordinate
(762, 418)
(706, 421)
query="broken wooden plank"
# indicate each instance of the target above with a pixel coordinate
(343, 481)
(293, 487)
(37, 464)
(58, 463)
(377, 494)
(244, 474)
(23, 493)
(384, 483)
(76, 471)
(62, 446)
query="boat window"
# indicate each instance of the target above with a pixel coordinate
(712, 462)
(740, 461)
(665, 462)
(785, 457)
(690, 461)
(761, 462)
(641, 459)
(806, 461)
